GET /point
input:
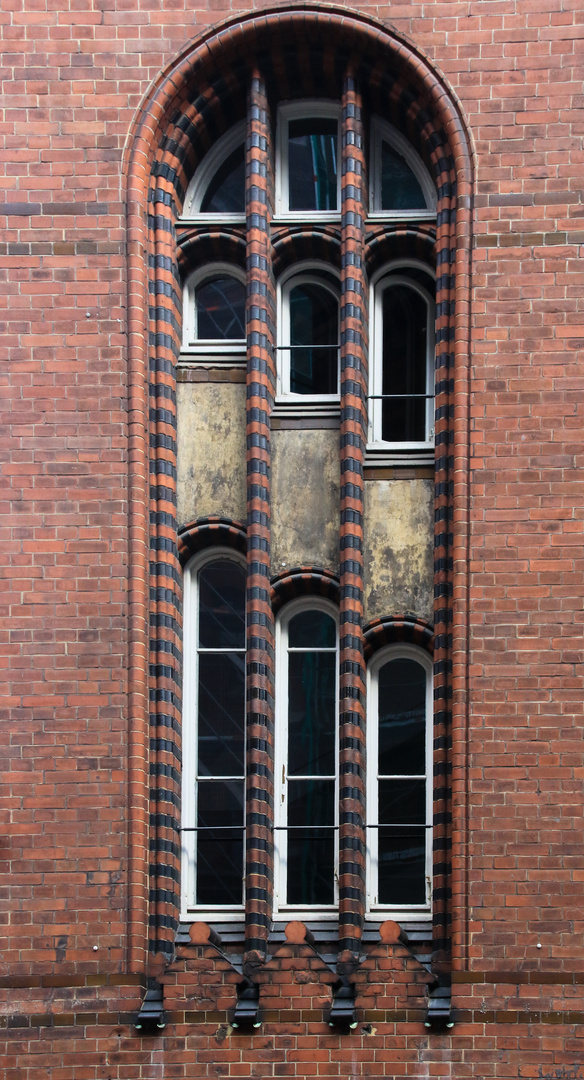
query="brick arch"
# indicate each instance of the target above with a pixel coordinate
(197, 248)
(304, 581)
(195, 98)
(291, 245)
(396, 629)
(210, 532)
(400, 242)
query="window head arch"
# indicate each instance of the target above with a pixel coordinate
(399, 780)
(214, 731)
(401, 397)
(308, 349)
(400, 183)
(214, 310)
(217, 189)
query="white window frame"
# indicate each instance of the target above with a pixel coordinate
(382, 131)
(375, 910)
(385, 279)
(303, 110)
(219, 349)
(230, 912)
(204, 174)
(281, 907)
(303, 273)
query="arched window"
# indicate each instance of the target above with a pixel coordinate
(400, 183)
(308, 332)
(308, 175)
(306, 755)
(399, 780)
(213, 795)
(401, 400)
(217, 189)
(214, 310)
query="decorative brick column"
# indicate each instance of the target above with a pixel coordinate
(261, 381)
(352, 844)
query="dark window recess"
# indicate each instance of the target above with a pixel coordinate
(312, 164)
(400, 188)
(405, 361)
(314, 335)
(220, 303)
(226, 192)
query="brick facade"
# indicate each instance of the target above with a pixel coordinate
(109, 108)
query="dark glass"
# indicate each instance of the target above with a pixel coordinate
(312, 164)
(402, 718)
(404, 364)
(402, 802)
(226, 192)
(402, 866)
(311, 713)
(312, 630)
(311, 851)
(222, 605)
(220, 309)
(221, 714)
(314, 323)
(220, 866)
(400, 189)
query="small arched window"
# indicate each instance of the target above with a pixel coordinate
(308, 329)
(401, 397)
(214, 310)
(217, 190)
(214, 732)
(399, 779)
(306, 755)
(308, 175)
(400, 184)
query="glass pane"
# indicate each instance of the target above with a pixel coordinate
(312, 629)
(402, 718)
(314, 335)
(312, 164)
(220, 866)
(222, 606)
(400, 190)
(226, 192)
(402, 867)
(402, 802)
(220, 305)
(404, 365)
(311, 713)
(221, 714)
(311, 851)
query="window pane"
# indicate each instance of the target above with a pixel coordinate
(312, 629)
(221, 714)
(219, 849)
(404, 365)
(220, 305)
(314, 335)
(311, 713)
(226, 192)
(311, 851)
(222, 606)
(402, 866)
(312, 164)
(400, 189)
(402, 802)
(402, 718)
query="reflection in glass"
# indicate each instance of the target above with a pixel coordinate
(222, 605)
(311, 848)
(312, 164)
(311, 713)
(220, 819)
(226, 191)
(405, 345)
(402, 802)
(402, 866)
(400, 188)
(314, 336)
(221, 714)
(220, 304)
(402, 718)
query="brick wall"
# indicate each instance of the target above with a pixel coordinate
(73, 715)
